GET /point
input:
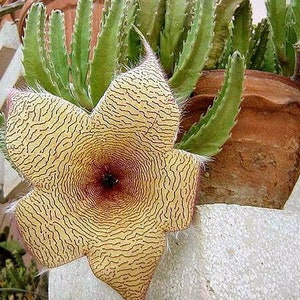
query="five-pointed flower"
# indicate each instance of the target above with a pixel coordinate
(107, 185)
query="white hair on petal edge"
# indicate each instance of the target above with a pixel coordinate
(182, 237)
(11, 207)
(182, 103)
(193, 230)
(38, 89)
(43, 271)
(204, 161)
(21, 89)
(28, 89)
(168, 248)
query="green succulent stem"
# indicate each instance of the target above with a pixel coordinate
(258, 46)
(129, 45)
(213, 129)
(283, 34)
(58, 56)
(223, 16)
(105, 64)
(37, 74)
(242, 27)
(295, 4)
(175, 19)
(195, 49)
(150, 20)
(80, 50)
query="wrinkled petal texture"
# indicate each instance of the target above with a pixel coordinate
(108, 184)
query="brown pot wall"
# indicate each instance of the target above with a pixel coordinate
(259, 165)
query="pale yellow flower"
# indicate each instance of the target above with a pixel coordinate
(107, 185)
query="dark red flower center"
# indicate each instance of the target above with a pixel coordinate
(108, 180)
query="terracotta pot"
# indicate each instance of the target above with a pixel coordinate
(69, 9)
(260, 164)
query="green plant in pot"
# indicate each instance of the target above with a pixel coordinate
(259, 165)
(249, 162)
(97, 142)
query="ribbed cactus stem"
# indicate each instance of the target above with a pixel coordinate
(105, 62)
(213, 129)
(175, 19)
(37, 74)
(195, 50)
(150, 20)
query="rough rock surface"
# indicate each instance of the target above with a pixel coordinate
(230, 252)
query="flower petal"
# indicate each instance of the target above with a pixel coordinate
(178, 190)
(139, 106)
(159, 196)
(127, 259)
(45, 135)
(106, 185)
(50, 229)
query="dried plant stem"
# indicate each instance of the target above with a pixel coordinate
(296, 75)
(10, 8)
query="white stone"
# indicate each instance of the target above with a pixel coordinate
(293, 203)
(250, 253)
(9, 36)
(9, 178)
(11, 75)
(75, 281)
(230, 252)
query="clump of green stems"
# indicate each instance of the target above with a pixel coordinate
(188, 36)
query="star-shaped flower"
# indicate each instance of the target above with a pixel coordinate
(107, 185)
